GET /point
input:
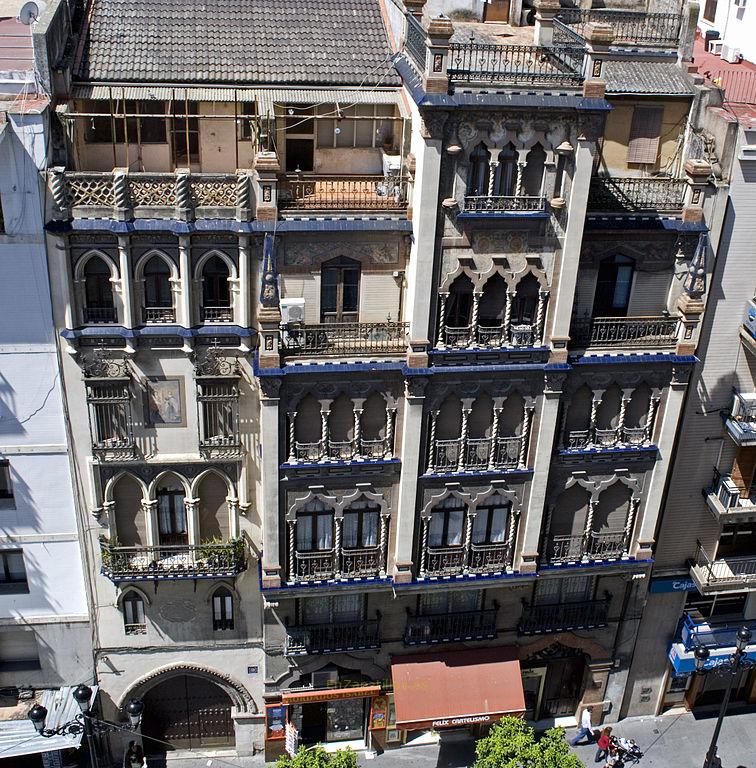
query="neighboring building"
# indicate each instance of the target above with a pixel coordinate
(735, 23)
(377, 347)
(45, 633)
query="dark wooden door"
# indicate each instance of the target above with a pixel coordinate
(496, 10)
(562, 689)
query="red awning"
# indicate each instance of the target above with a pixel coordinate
(457, 688)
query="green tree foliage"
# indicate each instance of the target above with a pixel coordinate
(317, 757)
(512, 744)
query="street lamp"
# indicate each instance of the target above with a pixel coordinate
(83, 722)
(731, 667)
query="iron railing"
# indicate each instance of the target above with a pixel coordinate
(173, 561)
(657, 30)
(415, 42)
(451, 627)
(595, 546)
(563, 617)
(475, 454)
(503, 203)
(357, 192)
(490, 336)
(315, 566)
(345, 338)
(135, 629)
(477, 559)
(331, 638)
(706, 634)
(577, 439)
(159, 315)
(612, 194)
(97, 315)
(217, 314)
(361, 563)
(651, 331)
(489, 558)
(445, 561)
(517, 64)
(724, 572)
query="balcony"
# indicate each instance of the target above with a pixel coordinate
(337, 637)
(652, 332)
(344, 339)
(368, 192)
(726, 574)
(495, 64)
(476, 455)
(451, 627)
(726, 503)
(579, 548)
(170, 562)
(636, 28)
(741, 423)
(151, 195)
(156, 315)
(340, 451)
(563, 617)
(636, 195)
(477, 559)
(336, 565)
(700, 633)
(217, 314)
(489, 336)
(624, 437)
(99, 315)
(487, 205)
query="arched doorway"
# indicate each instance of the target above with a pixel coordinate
(553, 681)
(187, 712)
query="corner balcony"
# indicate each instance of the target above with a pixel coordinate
(124, 196)
(491, 206)
(365, 192)
(724, 574)
(344, 339)
(563, 617)
(580, 548)
(648, 332)
(451, 627)
(617, 195)
(630, 28)
(718, 637)
(474, 454)
(724, 500)
(741, 422)
(337, 637)
(173, 561)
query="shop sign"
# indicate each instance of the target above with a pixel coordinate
(292, 740)
(311, 697)
(674, 584)
(455, 722)
(684, 662)
(379, 713)
(275, 721)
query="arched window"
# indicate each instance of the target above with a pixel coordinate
(98, 292)
(459, 308)
(613, 285)
(525, 303)
(360, 528)
(490, 526)
(447, 523)
(315, 527)
(532, 175)
(505, 179)
(477, 181)
(157, 283)
(216, 294)
(223, 609)
(340, 291)
(133, 614)
(172, 528)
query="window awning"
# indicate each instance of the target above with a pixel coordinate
(457, 688)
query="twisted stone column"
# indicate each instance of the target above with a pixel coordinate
(493, 445)
(527, 418)
(540, 314)
(441, 320)
(389, 447)
(432, 442)
(463, 440)
(292, 437)
(424, 545)
(292, 551)
(383, 543)
(357, 437)
(507, 317)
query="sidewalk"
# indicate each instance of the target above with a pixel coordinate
(671, 741)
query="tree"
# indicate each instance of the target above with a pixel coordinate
(512, 744)
(317, 757)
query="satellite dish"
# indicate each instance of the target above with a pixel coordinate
(31, 11)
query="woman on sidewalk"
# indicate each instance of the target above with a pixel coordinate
(603, 743)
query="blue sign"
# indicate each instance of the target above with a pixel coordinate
(673, 584)
(684, 662)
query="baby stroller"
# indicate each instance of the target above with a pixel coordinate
(627, 751)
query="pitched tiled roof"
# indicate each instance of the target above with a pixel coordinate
(319, 42)
(652, 77)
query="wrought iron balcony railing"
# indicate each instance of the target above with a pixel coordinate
(576, 548)
(332, 638)
(345, 338)
(97, 315)
(344, 563)
(563, 617)
(475, 559)
(711, 634)
(368, 192)
(217, 314)
(503, 203)
(578, 439)
(415, 42)
(445, 561)
(657, 30)
(475, 454)
(115, 448)
(315, 566)
(611, 194)
(343, 450)
(173, 561)
(451, 627)
(490, 336)
(723, 574)
(158, 315)
(630, 332)
(489, 63)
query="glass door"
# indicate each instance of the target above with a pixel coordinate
(532, 685)
(346, 720)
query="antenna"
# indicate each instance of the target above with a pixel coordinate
(31, 11)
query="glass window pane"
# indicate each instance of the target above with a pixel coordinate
(499, 525)
(433, 602)
(454, 536)
(436, 532)
(229, 606)
(622, 287)
(576, 588)
(464, 600)
(370, 529)
(479, 527)
(304, 533)
(15, 563)
(316, 610)
(217, 607)
(325, 531)
(351, 523)
(347, 607)
(547, 591)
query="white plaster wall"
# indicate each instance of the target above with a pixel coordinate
(736, 26)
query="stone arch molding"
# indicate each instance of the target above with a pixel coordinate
(596, 487)
(239, 695)
(145, 258)
(224, 257)
(96, 254)
(511, 277)
(595, 651)
(365, 667)
(339, 505)
(498, 133)
(465, 498)
(149, 491)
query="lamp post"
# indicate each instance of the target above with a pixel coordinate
(84, 722)
(732, 668)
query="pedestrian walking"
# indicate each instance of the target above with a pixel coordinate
(134, 756)
(586, 727)
(604, 742)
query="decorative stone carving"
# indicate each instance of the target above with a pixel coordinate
(178, 611)
(310, 254)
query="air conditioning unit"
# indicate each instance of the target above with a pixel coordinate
(728, 493)
(715, 47)
(292, 311)
(730, 54)
(749, 318)
(743, 407)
